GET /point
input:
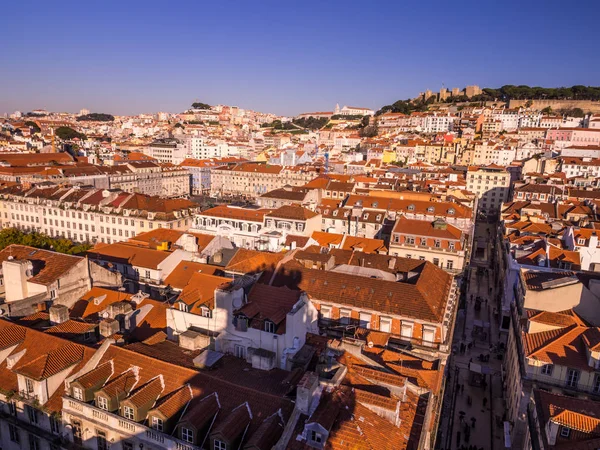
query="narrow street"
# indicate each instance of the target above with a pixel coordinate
(473, 404)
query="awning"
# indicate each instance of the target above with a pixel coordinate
(479, 368)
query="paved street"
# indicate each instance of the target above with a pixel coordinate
(473, 406)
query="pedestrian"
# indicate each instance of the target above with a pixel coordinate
(473, 420)
(484, 401)
(462, 388)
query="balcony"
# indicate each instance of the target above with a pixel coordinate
(147, 437)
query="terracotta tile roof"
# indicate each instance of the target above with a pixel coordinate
(128, 254)
(47, 266)
(201, 410)
(366, 245)
(182, 273)
(154, 321)
(406, 226)
(300, 241)
(425, 299)
(582, 415)
(234, 424)
(174, 402)
(71, 327)
(11, 335)
(154, 238)
(123, 383)
(269, 303)
(564, 347)
(228, 212)
(44, 366)
(200, 290)
(252, 261)
(96, 300)
(327, 239)
(96, 376)
(268, 433)
(148, 393)
(292, 212)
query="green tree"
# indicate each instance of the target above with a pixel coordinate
(34, 126)
(67, 134)
(199, 105)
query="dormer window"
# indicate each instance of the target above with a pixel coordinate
(316, 437)
(206, 312)
(77, 393)
(187, 435)
(451, 212)
(430, 209)
(269, 326)
(102, 403)
(157, 424)
(581, 241)
(423, 241)
(219, 445)
(335, 213)
(411, 207)
(29, 387)
(128, 413)
(183, 307)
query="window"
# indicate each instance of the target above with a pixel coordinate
(128, 413)
(206, 312)
(316, 437)
(102, 403)
(187, 435)
(14, 433)
(34, 442)
(29, 385)
(157, 423)
(424, 242)
(428, 335)
(127, 445)
(325, 312)
(240, 351)
(269, 326)
(451, 246)
(565, 432)
(12, 408)
(572, 378)
(31, 414)
(147, 273)
(547, 369)
(438, 243)
(219, 445)
(101, 441)
(365, 320)
(581, 241)
(77, 432)
(596, 385)
(385, 324)
(183, 307)
(241, 323)
(54, 424)
(345, 315)
(436, 261)
(406, 330)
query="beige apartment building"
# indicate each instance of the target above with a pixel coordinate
(438, 242)
(251, 180)
(491, 184)
(91, 215)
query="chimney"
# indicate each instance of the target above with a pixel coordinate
(392, 263)
(307, 392)
(58, 314)
(108, 327)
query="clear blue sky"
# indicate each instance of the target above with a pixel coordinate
(284, 57)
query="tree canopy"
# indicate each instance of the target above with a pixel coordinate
(404, 107)
(67, 133)
(36, 128)
(311, 123)
(9, 236)
(199, 105)
(99, 117)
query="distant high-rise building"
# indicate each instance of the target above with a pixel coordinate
(83, 112)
